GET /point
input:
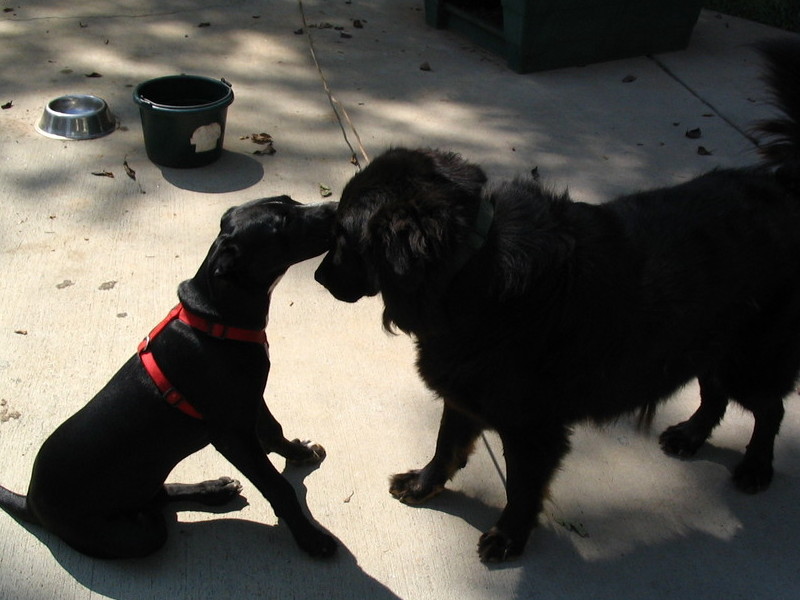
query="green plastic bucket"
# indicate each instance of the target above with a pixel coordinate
(183, 119)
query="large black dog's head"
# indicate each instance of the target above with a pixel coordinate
(258, 241)
(398, 219)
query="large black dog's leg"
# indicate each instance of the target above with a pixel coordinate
(270, 435)
(754, 473)
(531, 460)
(245, 453)
(684, 439)
(454, 444)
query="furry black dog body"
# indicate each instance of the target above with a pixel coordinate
(532, 312)
(98, 480)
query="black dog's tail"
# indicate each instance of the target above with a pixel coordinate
(781, 147)
(16, 505)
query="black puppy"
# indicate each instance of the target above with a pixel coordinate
(98, 480)
(532, 312)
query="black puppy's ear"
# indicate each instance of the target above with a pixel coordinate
(225, 259)
(286, 200)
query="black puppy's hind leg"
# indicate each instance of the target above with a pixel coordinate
(684, 439)
(454, 444)
(270, 436)
(130, 535)
(214, 492)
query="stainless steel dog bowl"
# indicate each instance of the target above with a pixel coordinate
(76, 117)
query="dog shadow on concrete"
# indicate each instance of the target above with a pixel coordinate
(224, 557)
(692, 536)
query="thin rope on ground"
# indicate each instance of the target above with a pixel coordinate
(493, 457)
(338, 108)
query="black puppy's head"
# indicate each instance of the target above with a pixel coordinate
(400, 215)
(258, 241)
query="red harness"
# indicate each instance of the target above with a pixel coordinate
(217, 330)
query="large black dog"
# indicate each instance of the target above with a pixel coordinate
(98, 480)
(532, 312)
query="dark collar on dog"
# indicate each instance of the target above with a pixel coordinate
(476, 236)
(217, 330)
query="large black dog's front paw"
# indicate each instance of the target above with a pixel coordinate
(752, 476)
(413, 487)
(682, 440)
(496, 546)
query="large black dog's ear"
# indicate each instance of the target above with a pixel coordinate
(466, 175)
(404, 248)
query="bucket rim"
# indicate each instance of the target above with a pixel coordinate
(226, 100)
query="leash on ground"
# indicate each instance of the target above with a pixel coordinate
(338, 108)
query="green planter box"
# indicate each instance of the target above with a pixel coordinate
(536, 35)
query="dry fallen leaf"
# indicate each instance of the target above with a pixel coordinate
(93, 74)
(694, 134)
(108, 174)
(325, 190)
(262, 139)
(130, 172)
(7, 105)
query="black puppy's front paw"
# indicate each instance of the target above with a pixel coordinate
(306, 453)
(413, 487)
(496, 546)
(682, 440)
(318, 544)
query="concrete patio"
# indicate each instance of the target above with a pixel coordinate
(90, 263)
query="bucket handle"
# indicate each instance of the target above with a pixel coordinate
(151, 103)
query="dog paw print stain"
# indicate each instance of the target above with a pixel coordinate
(6, 414)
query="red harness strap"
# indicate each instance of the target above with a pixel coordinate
(217, 330)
